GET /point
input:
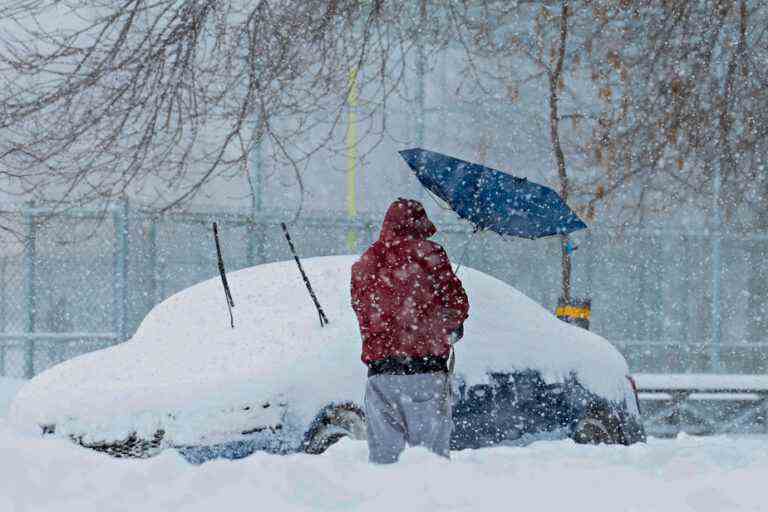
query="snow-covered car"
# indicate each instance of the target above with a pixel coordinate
(280, 382)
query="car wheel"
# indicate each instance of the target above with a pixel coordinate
(591, 431)
(331, 424)
(598, 426)
(132, 446)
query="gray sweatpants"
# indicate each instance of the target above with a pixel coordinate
(413, 409)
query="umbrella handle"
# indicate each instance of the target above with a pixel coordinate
(466, 247)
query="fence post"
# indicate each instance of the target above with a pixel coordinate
(30, 294)
(3, 311)
(154, 278)
(4, 326)
(255, 240)
(651, 301)
(120, 274)
(716, 262)
(4, 295)
(255, 248)
(352, 157)
(590, 249)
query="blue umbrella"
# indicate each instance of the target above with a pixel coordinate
(493, 200)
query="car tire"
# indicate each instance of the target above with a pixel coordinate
(132, 446)
(598, 426)
(333, 423)
(591, 431)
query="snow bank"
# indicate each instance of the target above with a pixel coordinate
(687, 474)
(185, 367)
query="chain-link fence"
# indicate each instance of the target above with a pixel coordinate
(85, 280)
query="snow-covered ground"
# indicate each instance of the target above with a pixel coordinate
(685, 474)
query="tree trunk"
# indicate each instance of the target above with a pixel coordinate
(555, 78)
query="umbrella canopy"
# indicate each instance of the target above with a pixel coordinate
(493, 200)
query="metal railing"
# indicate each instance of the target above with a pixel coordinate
(703, 404)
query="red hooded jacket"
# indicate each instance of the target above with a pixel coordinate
(404, 292)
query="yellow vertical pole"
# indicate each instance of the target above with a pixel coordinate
(352, 158)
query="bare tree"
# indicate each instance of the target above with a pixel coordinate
(555, 76)
(688, 102)
(687, 126)
(537, 46)
(162, 97)
(661, 97)
(159, 98)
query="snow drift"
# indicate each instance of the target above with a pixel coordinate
(187, 372)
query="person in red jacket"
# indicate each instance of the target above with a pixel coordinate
(410, 306)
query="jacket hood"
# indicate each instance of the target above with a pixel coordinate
(406, 218)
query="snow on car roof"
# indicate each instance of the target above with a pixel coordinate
(186, 360)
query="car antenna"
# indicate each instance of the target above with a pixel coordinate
(323, 318)
(223, 273)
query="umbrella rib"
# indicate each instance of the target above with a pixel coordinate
(464, 252)
(437, 200)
